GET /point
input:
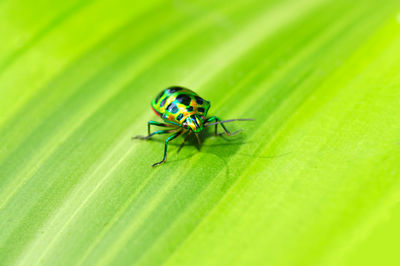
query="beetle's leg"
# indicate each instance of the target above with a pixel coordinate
(173, 136)
(198, 139)
(216, 119)
(154, 133)
(210, 119)
(183, 143)
(155, 123)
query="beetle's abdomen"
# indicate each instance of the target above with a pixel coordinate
(175, 103)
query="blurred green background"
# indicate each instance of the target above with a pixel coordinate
(314, 180)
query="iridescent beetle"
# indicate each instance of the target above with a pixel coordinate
(184, 112)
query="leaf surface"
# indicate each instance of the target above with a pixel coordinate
(313, 180)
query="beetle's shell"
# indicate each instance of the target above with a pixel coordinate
(174, 104)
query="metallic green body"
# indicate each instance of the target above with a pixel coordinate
(182, 107)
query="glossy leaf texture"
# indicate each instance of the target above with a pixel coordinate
(313, 180)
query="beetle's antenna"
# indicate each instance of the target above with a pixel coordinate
(228, 121)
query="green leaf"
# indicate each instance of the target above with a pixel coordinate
(313, 180)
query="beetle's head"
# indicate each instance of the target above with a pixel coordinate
(194, 122)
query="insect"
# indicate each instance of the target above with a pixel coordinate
(183, 112)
